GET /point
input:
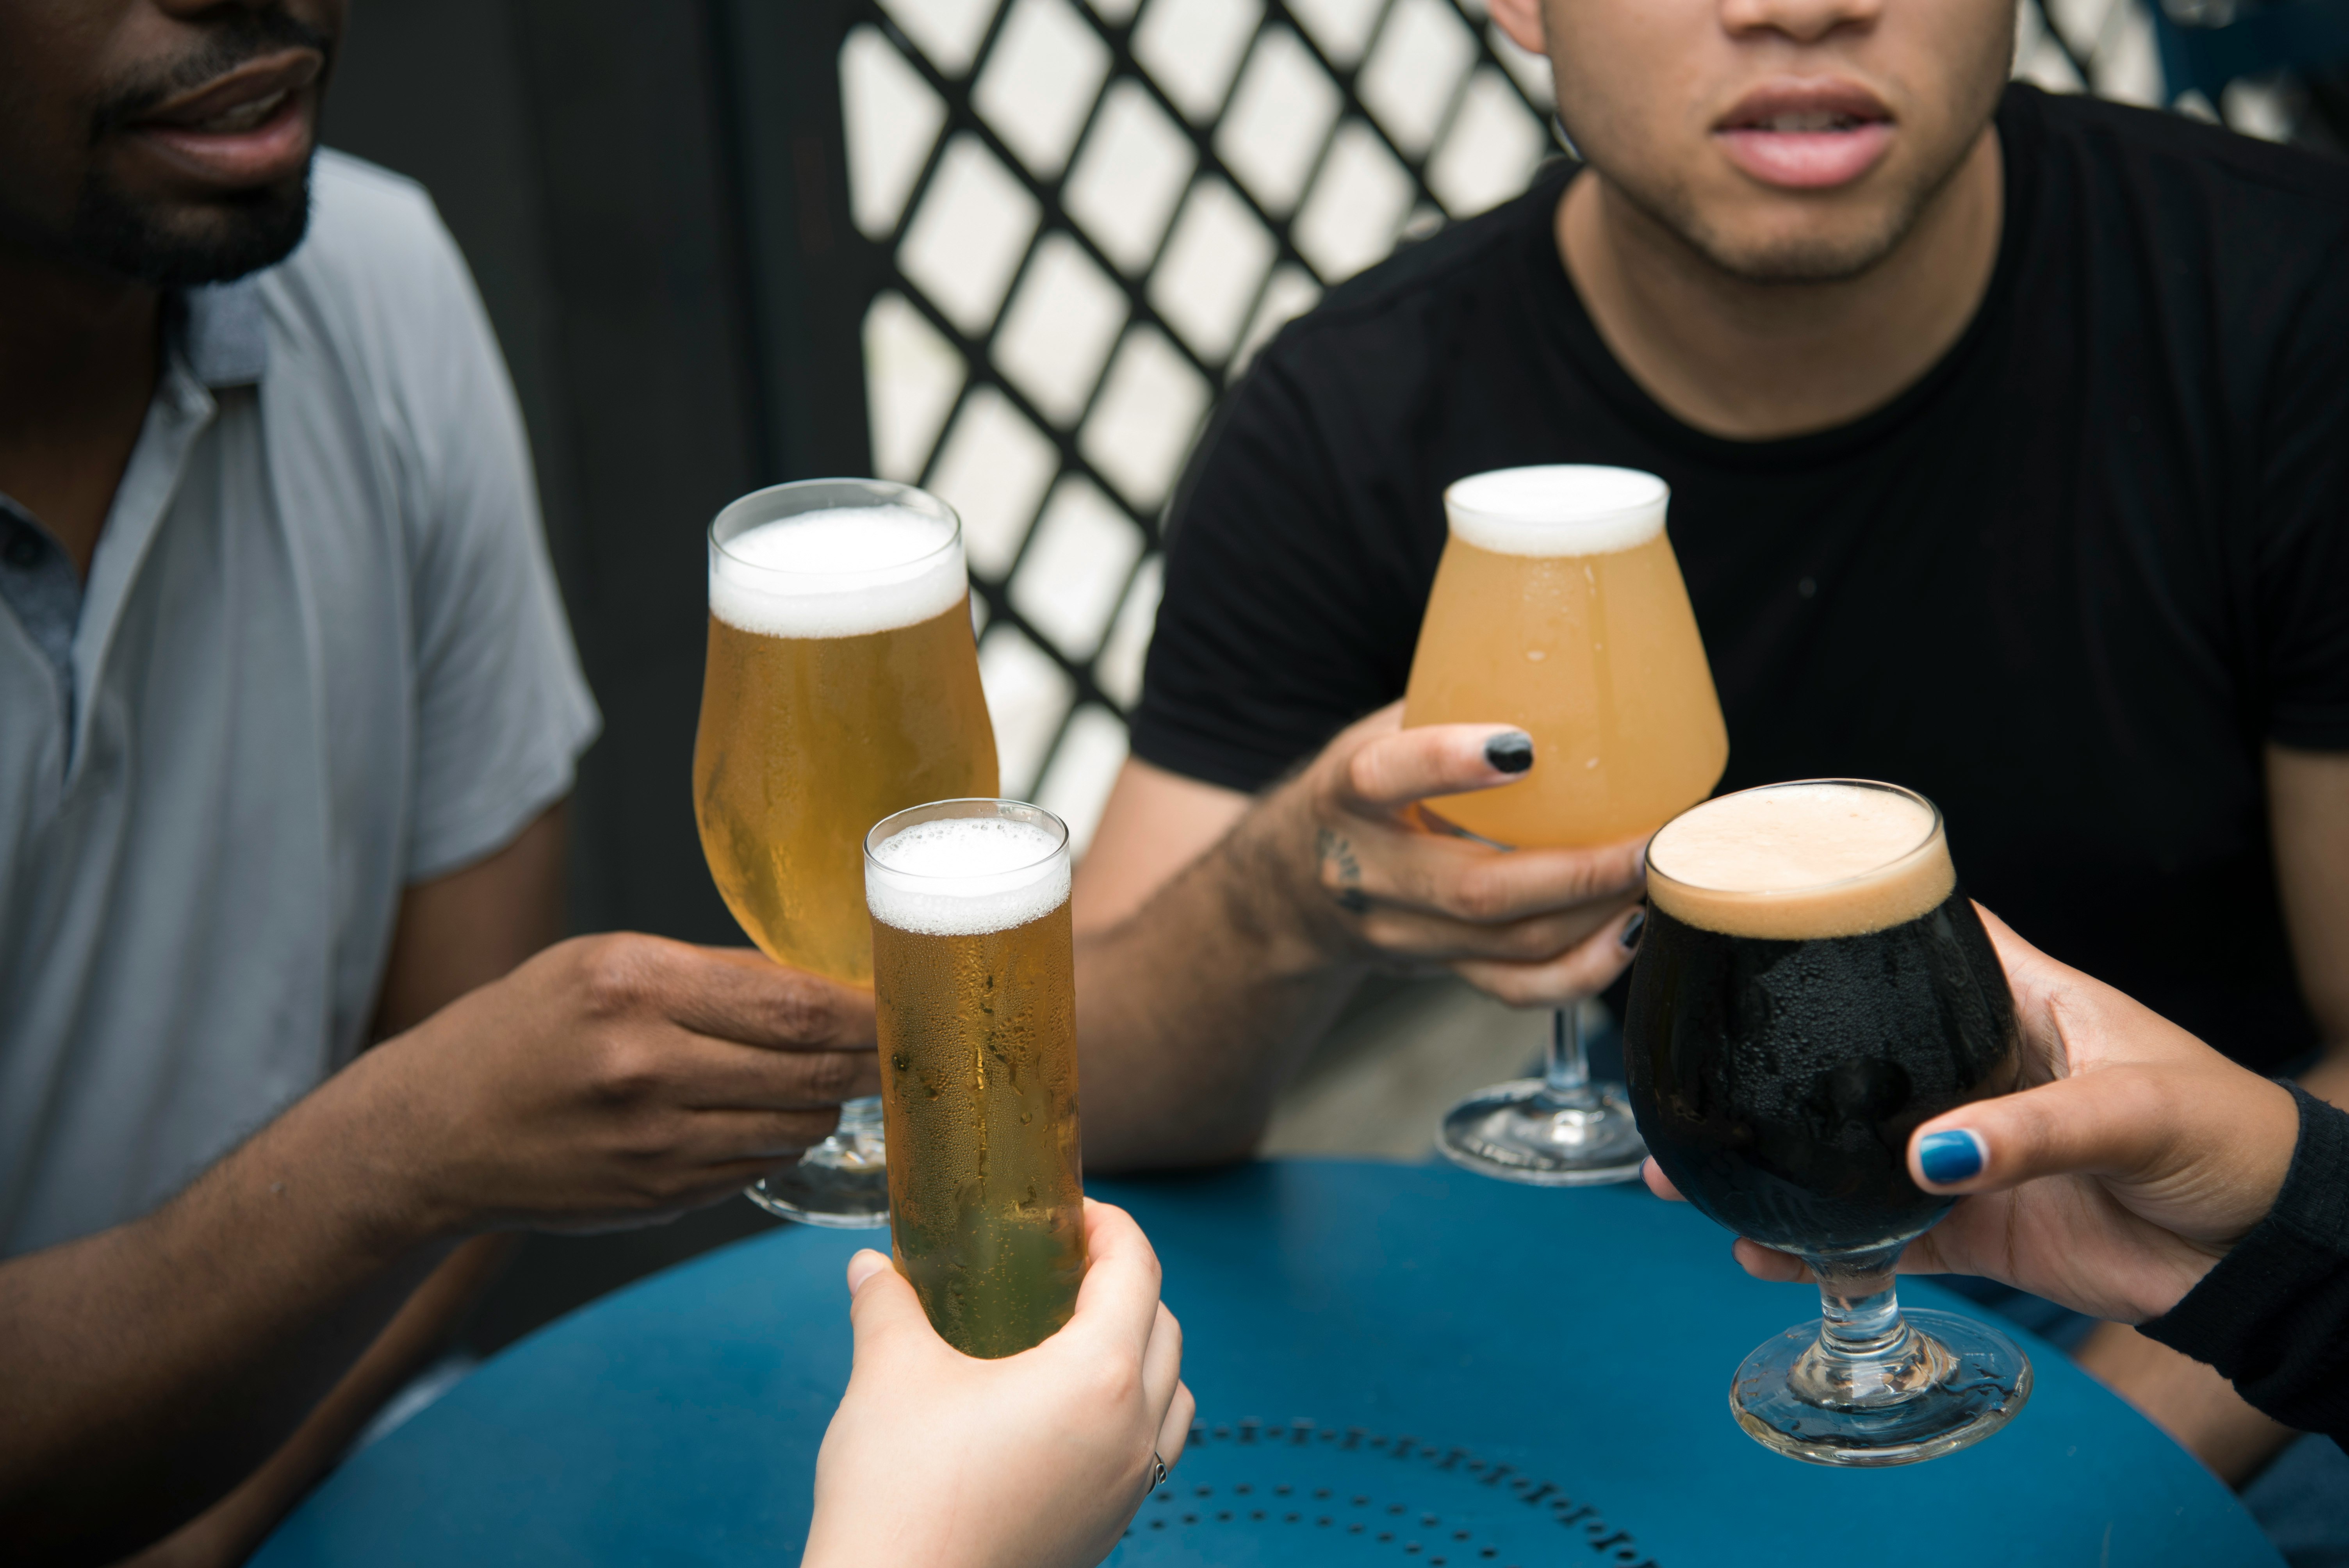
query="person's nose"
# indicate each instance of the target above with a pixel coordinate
(1804, 21)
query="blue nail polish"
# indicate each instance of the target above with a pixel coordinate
(1510, 752)
(1632, 927)
(1948, 1157)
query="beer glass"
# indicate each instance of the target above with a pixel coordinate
(1811, 987)
(974, 994)
(842, 685)
(1559, 607)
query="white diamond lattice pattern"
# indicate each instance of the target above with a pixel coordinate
(2107, 48)
(1095, 213)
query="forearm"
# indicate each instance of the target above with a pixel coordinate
(2197, 1403)
(1194, 1011)
(227, 1532)
(151, 1368)
(2273, 1314)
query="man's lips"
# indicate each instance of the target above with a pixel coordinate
(1807, 135)
(251, 127)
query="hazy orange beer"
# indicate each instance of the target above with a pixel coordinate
(1559, 607)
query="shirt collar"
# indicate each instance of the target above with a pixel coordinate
(223, 332)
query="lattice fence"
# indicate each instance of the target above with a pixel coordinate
(1094, 211)
(2107, 48)
(1095, 215)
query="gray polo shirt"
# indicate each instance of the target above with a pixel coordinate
(318, 657)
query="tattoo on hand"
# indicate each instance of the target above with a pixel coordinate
(1331, 850)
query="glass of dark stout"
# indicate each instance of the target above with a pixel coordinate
(1811, 986)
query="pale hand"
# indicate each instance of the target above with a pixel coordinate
(2132, 1160)
(1036, 1460)
(1534, 927)
(609, 1081)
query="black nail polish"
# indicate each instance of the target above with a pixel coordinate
(1510, 752)
(1632, 927)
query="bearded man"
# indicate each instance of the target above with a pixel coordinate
(2008, 439)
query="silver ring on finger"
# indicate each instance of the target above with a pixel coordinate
(1158, 1470)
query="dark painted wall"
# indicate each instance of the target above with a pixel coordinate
(652, 195)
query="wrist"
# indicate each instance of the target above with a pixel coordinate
(1271, 890)
(358, 1142)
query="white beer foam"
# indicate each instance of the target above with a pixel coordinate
(1792, 861)
(965, 876)
(1563, 509)
(844, 572)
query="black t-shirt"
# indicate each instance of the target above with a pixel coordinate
(2067, 584)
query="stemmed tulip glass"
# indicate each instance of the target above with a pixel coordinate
(1559, 607)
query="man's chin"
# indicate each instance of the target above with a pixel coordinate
(1798, 258)
(170, 244)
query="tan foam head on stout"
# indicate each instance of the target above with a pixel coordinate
(1791, 861)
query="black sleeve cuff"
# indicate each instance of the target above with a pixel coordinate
(2273, 1315)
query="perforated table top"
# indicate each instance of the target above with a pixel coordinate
(1396, 1365)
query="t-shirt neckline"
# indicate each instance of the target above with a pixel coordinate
(2019, 132)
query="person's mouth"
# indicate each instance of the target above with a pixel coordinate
(249, 127)
(1806, 134)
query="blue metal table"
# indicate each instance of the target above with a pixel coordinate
(1396, 1364)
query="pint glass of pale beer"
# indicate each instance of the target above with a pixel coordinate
(974, 999)
(1559, 607)
(842, 685)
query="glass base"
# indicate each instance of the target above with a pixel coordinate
(1965, 1381)
(1522, 1132)
(842, 1183)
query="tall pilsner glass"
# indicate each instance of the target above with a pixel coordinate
(974, 990)
(1559, 607)
(842, 685)
(1812, 987)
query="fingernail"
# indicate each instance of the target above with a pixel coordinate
(1953, 1156)
(1633, 926)
(1511, 751)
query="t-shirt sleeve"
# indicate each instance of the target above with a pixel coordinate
(503, 712)
(2304, 566)
(1280, 624)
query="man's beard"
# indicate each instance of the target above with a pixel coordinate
(234, 236)
(167, 246)
(1792, 259)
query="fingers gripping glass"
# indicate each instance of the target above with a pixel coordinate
(1559, 607)
(1812, 986)
(842, 685)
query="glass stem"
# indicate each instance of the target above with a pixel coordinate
(1866, 1355)
(1859, 1314)
(1567, 1076)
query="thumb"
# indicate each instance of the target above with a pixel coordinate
(2113, 1123)
(882, 1309)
